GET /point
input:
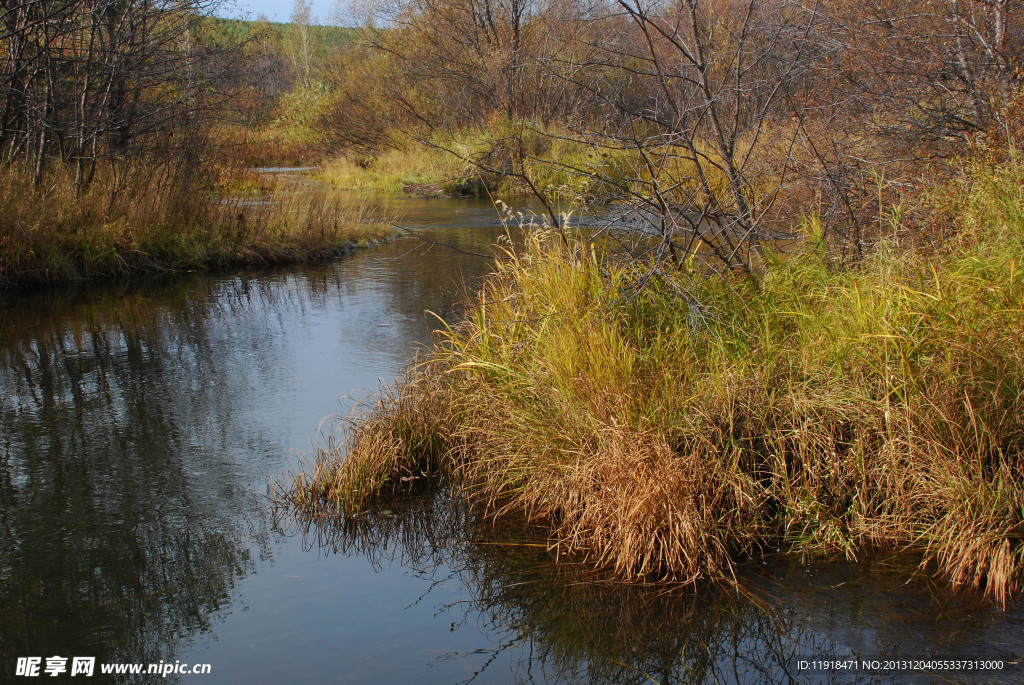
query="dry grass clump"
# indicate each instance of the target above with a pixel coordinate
(405, 436)
(154, 220)
(669, 431)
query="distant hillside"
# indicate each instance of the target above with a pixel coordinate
(239, 30)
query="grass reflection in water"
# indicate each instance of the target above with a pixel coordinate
(560, 621)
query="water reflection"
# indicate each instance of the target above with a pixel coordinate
(140, 424)
(115, 541)
(551, 621)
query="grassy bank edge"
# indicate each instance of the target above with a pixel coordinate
(136, 262)
(55, 234)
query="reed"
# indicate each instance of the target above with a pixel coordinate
(670, 431)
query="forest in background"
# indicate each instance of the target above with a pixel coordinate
(723, 120)
(715, 124)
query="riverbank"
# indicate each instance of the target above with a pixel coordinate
(119, 227)
(503, 160)
(670, 428)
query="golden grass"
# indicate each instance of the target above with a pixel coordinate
(157, 222)
(484, 162)
(401, 439)
(671, 431)
(394, 171)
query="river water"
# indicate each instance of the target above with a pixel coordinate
(141, 425)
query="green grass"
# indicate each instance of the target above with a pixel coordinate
(671, 431)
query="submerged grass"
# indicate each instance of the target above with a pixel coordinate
(127, 225)
(670, 431)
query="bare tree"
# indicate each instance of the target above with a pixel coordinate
(711, 123)
(693, 135)
(90, 80)
(302, 17)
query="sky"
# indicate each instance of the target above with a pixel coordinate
(280, 10)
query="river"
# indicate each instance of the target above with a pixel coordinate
(141, 425)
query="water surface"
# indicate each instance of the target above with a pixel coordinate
(141, 424)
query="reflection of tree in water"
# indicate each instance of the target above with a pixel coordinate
(125, 513)
(122, 530)
(557, 622)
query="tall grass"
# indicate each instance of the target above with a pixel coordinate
(153, 221)
(670, 431)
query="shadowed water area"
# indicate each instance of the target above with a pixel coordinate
(141, 424)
